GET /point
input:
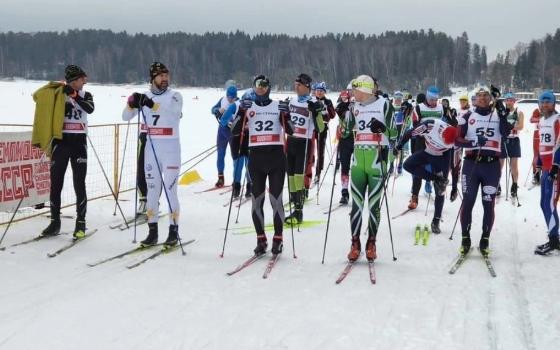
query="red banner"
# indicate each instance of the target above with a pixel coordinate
(24, 172)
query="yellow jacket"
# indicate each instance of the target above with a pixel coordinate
(49, 115)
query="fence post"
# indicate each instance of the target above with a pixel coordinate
(116, 161)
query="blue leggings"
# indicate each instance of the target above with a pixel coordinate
(222, 139)
(549, 199)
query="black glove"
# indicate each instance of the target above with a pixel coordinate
(501, 109)
(397, 149)
(246, 104)
(137, 100)
(342, 107)
(68, 90)
(146, 101)
(495, 92)
(327, 102)
(481, 140)
(383, 155)
(553, 172)
(218, 115)
(314, 107)
(284, 106)
(377, 126)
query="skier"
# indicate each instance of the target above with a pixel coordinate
(511, 146)
(370, 117)
(328, 113)
(161, 109)
(480, 134)
(456, 159)
(73, 148)
(428, 108)
(345, 136)
(306, 116)
(267, 121)
(432, 163)
(549, 160)
(224, 134)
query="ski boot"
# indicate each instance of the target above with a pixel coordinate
(465, 244)
(248, 190)
(53, 229)
(548, 247)
(220, 182)
(236, 190)
(79, 229)
(172, 237)
(371, 251)
(345, 196)
(483, 245)
(355, 249)
(413, 203)
(277, 245)
(296, 217)
(152, 235)
(435, 226)
(453, 195)
(428, 187)
(513, 191)
(260, 249)
(440, 183)
(536, 177)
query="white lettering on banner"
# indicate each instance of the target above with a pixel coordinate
(24, 172)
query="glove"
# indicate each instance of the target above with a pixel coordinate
(553, 174)
(146, 101)
(495, 92)
(396, 150)
(481, 140)
(327, 102)
(137, 100)
(284, 106)
(315, 107)
(501, 109)
(68, 90)
(377, 126)
(218, 115)
(246, 104)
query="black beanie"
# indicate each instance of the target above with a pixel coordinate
(156, 69)
(304, 79)
(73, 72)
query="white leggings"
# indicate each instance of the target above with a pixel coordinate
(168, 154)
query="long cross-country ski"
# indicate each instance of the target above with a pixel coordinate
(345, 272)
(122, 255)
(402, 214)
(371, 268)
(89, 233)
(164, 250)
(489, 265)
(31, 240)
(340, 206)
(458, 262)
(214, 188)
(271, 264)
(246, 263)
(461, 259)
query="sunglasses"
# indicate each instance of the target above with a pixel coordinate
(262, 83)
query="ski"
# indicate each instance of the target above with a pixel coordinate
(228, 190)
(402, 214)
(236, 202)
(489, 265)
(214, 188)
(458, 262)
(270, 265)
(340, 206)
(164, 250)
(372, 277)
(89, 233)
(27, 241)
(345, 272)
(245, 264)
(122, 255)
(129, 221)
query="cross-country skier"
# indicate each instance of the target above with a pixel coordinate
(480, 134)
(549, 160)
(370, 117)
(306, 115)
(267, 120)
(224, 134)
(328, 113)
(161, 109)
(456, 160)
(511, 146)
(535, 118)
(345, 136)
(73, 148)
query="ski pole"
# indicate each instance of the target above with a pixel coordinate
(241, 192)
(383, 174)
(136, 188)
(337, 164)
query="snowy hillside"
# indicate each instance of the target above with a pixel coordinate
(188, 302)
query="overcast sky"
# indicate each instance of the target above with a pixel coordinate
(497, 24)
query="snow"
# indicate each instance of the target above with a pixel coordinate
(188, 302)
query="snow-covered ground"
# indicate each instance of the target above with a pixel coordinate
(188, 302)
